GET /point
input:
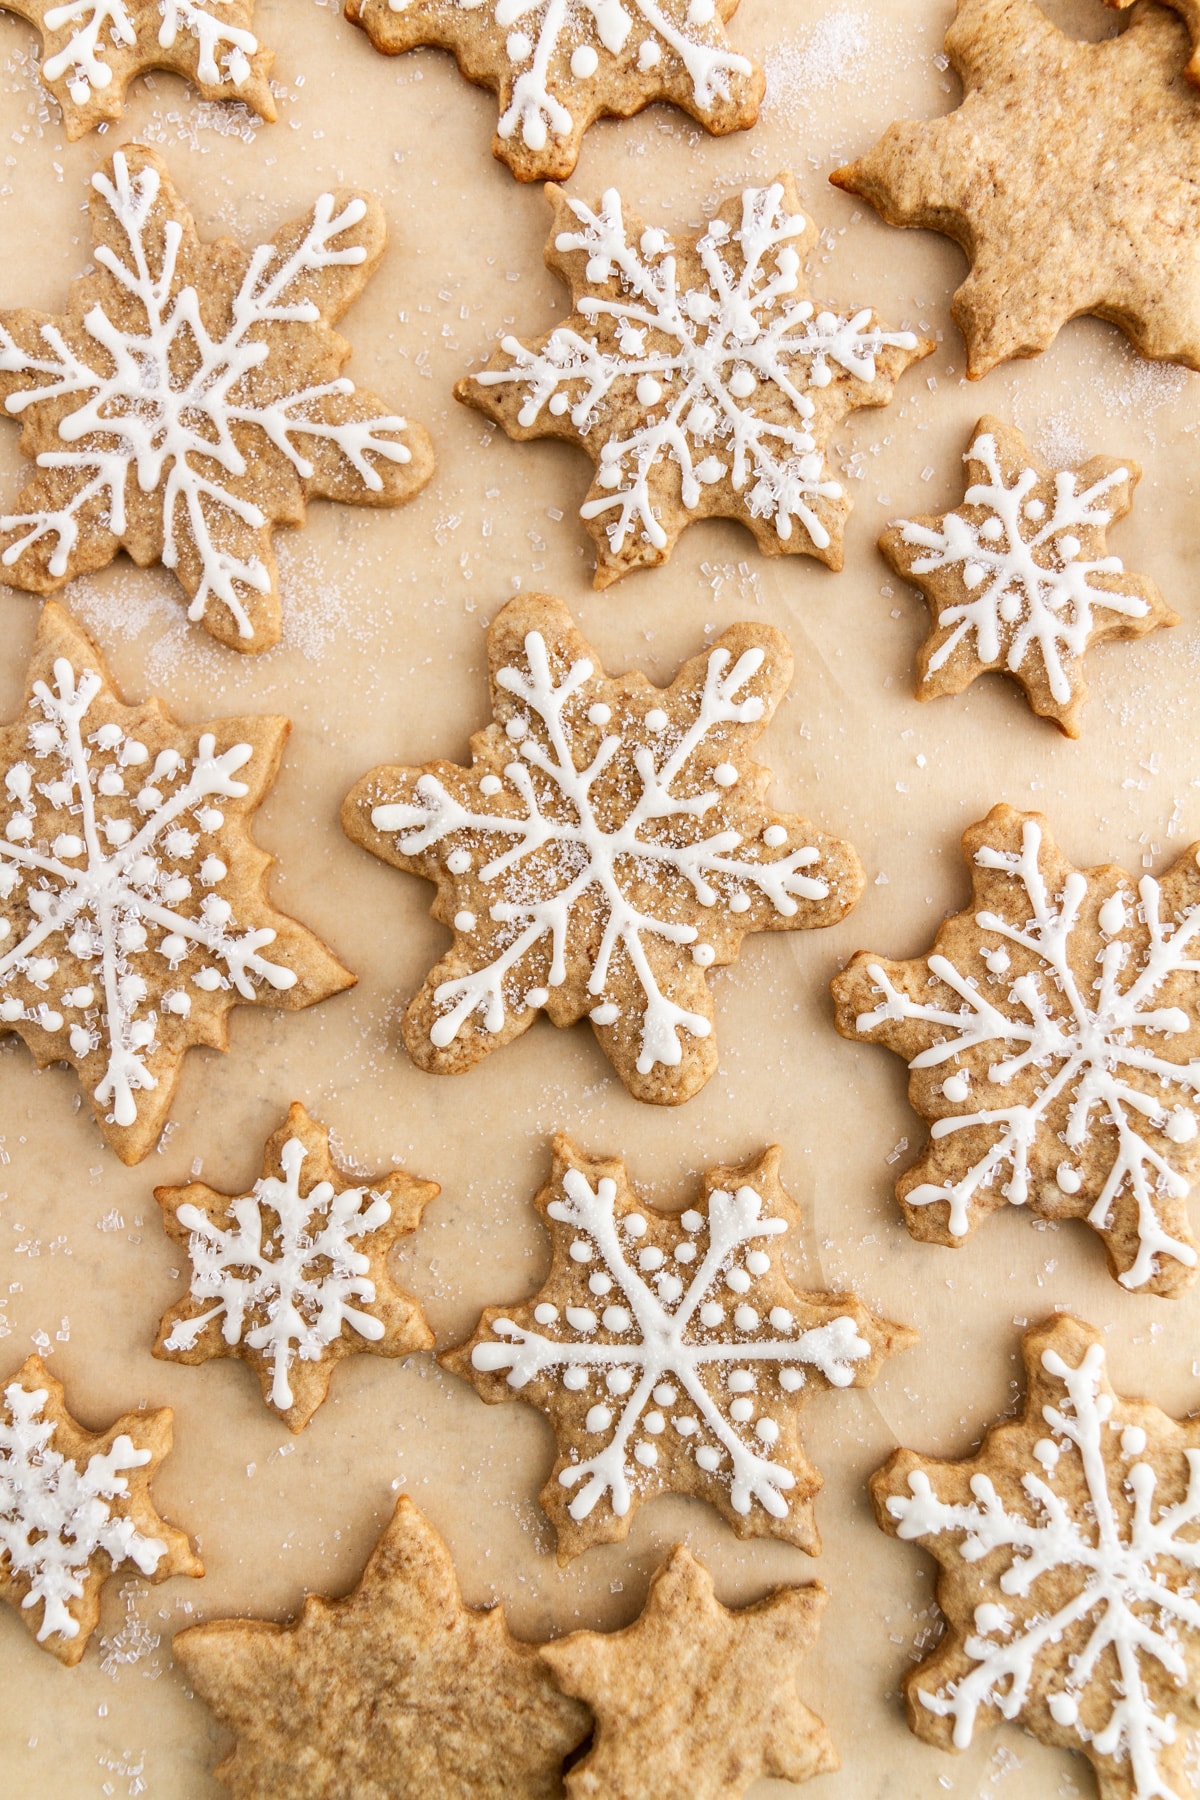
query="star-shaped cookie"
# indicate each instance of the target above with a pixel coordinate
(398, 1689)
(1067, 175)
(293, 1276)
(693, 1701)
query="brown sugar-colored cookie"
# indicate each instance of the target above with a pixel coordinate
(556, 68)
(1018, 577)
(697, 375)
(293, 1276)
(1068, 1550)
(191, 399)
(133, 906)
(75, 1508)
(672, 1354)
(1067, 175)
(398, 1689)
(693, 1701)
(1053, 1040)
(1189, 12)
(609, 845)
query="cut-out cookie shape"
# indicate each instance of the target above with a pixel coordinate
(1018, 577)
(1189, 12)
(698, 376)
(191, 399)
(75, 1508)
(293, 1276)
(397, 1689)
(1048, 235)
(133, 908)
(694, 1701)
(557, 67)
(1053, 1039)
(608, 847)
(1069, 1552)
(672, 1354)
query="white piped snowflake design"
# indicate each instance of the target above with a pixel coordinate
(698, 376)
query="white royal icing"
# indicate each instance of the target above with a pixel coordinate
(223, 50)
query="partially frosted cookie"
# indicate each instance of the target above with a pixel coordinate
(607, 848)
(75, 1508)
(698, 375)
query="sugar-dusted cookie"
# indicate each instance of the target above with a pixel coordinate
(398, 1689)
(1189, 12)
(698, 376)
(1053, 1039)
(1069, 1553)
(1106, 229)
(75, 1508)
(672, 1354)
(293, 1275)
(133, 907)
(1018, 577)
(191, 399)
(556, 67)
(609, 845)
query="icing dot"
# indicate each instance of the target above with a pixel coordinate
(758, 1262)
(1047, 1452)
(80, 996)
(781, 1318)
(649, 55)
(174, 946)
(691, 1220)
(766, 1431)
(458, 862)
(653, 241)
(656, 719)
(635, 1225)
(599, 1418)
(67, 845)
(1064, 1709)
(584, 62)
(618, 1381)
(703, 955)
(647, 1455)
(545, 1313)
(791, 1379)
(991, 530)
(741, 1411)
(516, 729)
(989, 1617)
(739, 1381)
(739, 903)
(685, 1253)
(1069, 1180)
(1035, 510)
(605, 1014)
(1133, 1440)
(537, 996)
(665, 1394)
(651, 1258)
(725, 775)
(997, 961)
(574, 1379)
(1068, 546)
(708, 1458)
(581, 1251)
(1181, 1126)
(1010, 608)
(599, 714)
(654, 1423)
(685, 1426)
(1112, 915)
(973, 573)
(173, 1003)
(491, 784)
(212, 870)
(464, 921)
(615, 1318)
(745, 1318)
(956, 1088)
(581, 1318)
(599, 1282)
(700, 12)
(518, 46)
(742, 384)
(774, 836)
(648, 390)
(711, 1314)
(738, 1280)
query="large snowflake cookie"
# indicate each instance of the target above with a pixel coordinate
(557, 65)
(191, 399)
(293, 1275)
(1053, 1040)
(1069, 1553)
(75, 1507)
(1048, 233)
(607, 848)
(672, 1354)
(1018, 577)
(698, 376)
(133, 910)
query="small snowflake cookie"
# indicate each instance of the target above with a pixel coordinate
(1018, 578)
(1052, 1036)
(133, 910)
(1069, 1561)
(557, 65)
(698, 376)
(608, 847)
(191, 399)
(75, 1507)
(293, 1275)
(672, 1354)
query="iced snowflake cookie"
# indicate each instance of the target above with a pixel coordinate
(607, 848)
(672, 1354)
(697, 375)
(93, 49)
(397, 1689)
(557, 65)
(1044, 250)
(133, 910)
(1053, 1039)
(191, 399)
(75, 1507)
(1069, 1553)
(1018, 578)
(293, 1276)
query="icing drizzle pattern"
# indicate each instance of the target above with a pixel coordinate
(224, 50)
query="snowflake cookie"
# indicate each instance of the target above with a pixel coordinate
(75, 1507)
(93, 49)
(1048, 234)
(293, 1276)
(557, 65)
(133, 911)
(607, 848)
(672, 1354)
(397, 1689)
(1069, 1553)
(1018, 577)
(1189, 12)
(697, 375)
(1053, 1039)
(191, 399)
